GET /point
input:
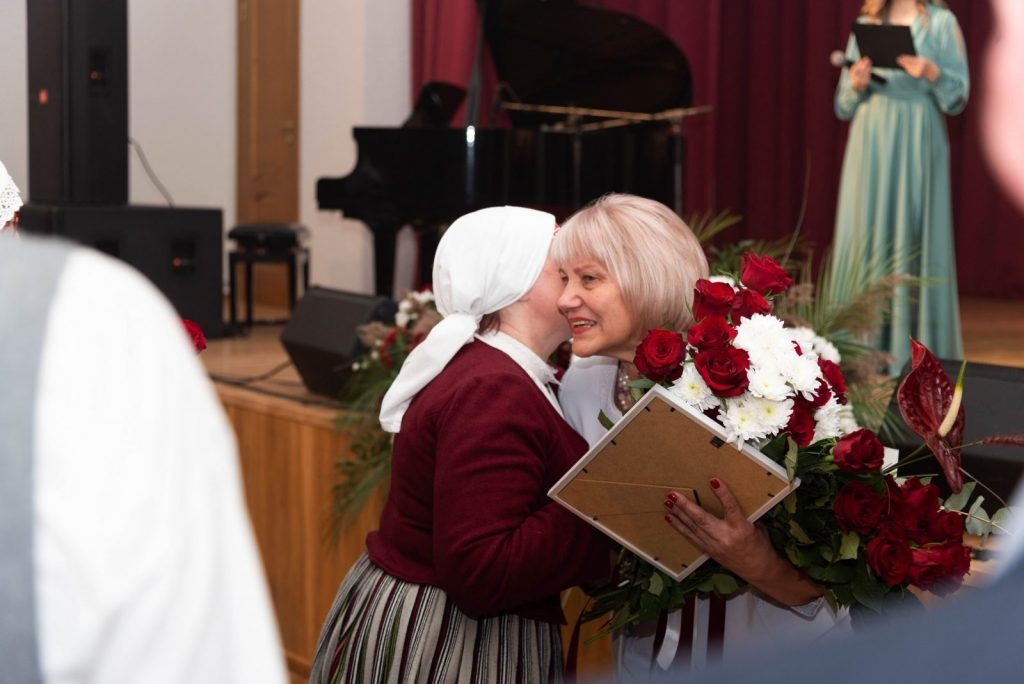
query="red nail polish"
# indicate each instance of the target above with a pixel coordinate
(668, 519)
(672, 496)
(668, 504)
(715, 483)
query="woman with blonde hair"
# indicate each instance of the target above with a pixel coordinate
(630, 264)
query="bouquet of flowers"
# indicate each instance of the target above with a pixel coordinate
(865, 536)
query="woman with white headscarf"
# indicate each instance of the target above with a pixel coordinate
(461, 582)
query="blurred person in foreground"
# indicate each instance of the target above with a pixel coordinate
(128, 555)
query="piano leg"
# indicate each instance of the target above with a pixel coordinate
(384, 246)
(427, 238)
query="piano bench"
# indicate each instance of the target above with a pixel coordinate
(266, 243)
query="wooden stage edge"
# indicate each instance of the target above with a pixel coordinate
(288, 448)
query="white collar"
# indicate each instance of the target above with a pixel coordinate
(539, 370)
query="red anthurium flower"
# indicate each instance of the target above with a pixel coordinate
(924, 398)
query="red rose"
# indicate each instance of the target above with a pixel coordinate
(712, 299)
(746, 303)
(724, 370)
(940, 568)
(859, 508)
(834, 376)
(889, 557)
(822, 393)
(763, 274)
(915, 504)
(195, 333)
(660, 355)
(946, 526)
(713, 331)
(801, 424)
(859, 452)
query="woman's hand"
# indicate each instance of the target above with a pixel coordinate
(740, 546)
(919, 67)
(732, 540)
(860, 74)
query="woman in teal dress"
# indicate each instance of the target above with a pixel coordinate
(894, 209)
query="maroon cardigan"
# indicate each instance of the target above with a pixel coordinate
(468, 509)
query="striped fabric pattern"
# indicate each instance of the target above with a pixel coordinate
(382, 629)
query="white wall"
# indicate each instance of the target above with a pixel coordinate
(355, 72)
(182, 101)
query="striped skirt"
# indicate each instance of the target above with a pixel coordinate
(381, 629)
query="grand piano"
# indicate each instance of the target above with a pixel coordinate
(589, 102)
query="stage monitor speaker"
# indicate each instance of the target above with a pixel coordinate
(993, 401)
(78, 101)
(180, 249)
(321, 338)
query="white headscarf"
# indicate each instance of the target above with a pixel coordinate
(485, 261)
(10, 198)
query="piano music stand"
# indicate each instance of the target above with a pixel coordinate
(609, 118)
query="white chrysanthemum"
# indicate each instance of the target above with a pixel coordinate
(763, 338)
(803, 373)
(811, 341)
(827, 350)
(750, 418)
(767, 383)
(847, 421)
(771, 351)
(827, 421)
(692, 390)
(803, 336)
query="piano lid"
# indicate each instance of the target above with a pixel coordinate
(563, 52)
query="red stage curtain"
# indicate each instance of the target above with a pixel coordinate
(763, 65)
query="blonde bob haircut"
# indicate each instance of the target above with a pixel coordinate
(649, 251)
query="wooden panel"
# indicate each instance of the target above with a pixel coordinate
(288, 453)
(268, 110)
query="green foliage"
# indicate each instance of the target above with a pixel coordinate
(368, 460)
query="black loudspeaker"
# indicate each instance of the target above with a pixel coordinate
(993, 404)
(180, 249)
(78, 101)
(321, 338)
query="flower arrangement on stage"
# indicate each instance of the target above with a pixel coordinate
(863, 534)
(387, 347)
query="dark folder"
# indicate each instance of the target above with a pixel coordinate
(883, 43)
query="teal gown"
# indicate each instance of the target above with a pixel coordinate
(894, 212)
